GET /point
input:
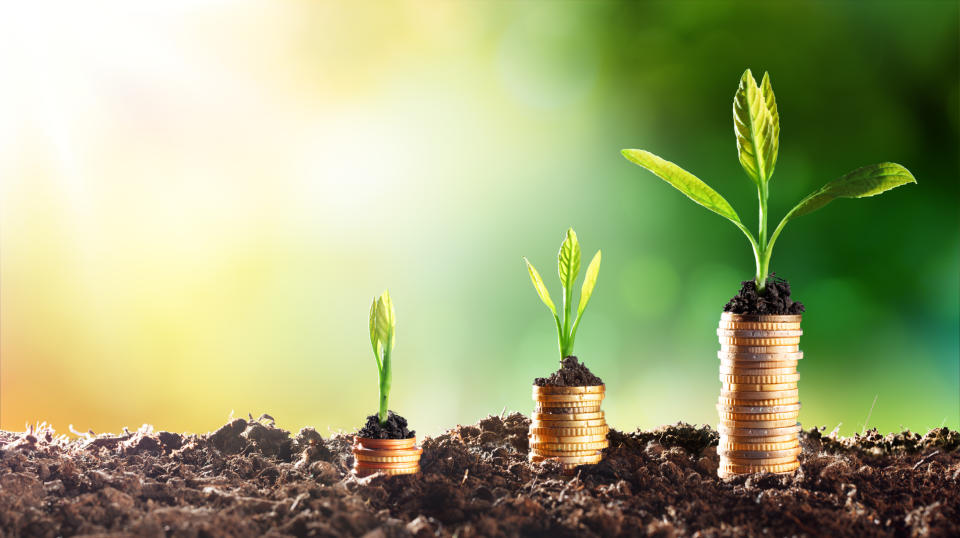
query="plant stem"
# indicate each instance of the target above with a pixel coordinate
(385, 377)
(763, 259)
(565, 345)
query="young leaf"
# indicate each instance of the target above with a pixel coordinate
(767, 89)
(386, 322)
(373, 333)
(757, 136)
(568, 259)
(589, 281)
(540, 287)
(683, 181)
(862, 182)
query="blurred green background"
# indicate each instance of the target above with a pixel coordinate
(198, 204)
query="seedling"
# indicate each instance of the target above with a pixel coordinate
(383, 336)
(568, 267)
(756, 123)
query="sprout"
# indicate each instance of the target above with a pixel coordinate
(756, 124)
(568, 268)
(383, 336)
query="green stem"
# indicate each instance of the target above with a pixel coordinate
(561, 341)
(386, 375)
(566, 345)
(763, 257)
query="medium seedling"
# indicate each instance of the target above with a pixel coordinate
(756, 123)
(383, 336)
(568, 267)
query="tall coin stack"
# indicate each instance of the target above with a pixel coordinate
(568, 426)
(387, 456)
(759, 402)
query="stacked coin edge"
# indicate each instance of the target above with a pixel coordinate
(568, 425)
(388, 456)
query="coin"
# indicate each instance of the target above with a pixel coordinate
(569, 460)
(753, 370)
(757, 424)
(758, 408)
(773, 445)
(759, 325)
(759, 394)
(758, 387)
(760, 379)
(536, 438)
(547, 403)
(567, 416)
(766, 350)
(759, 416)
(551, 453)
(758, 461)
(585, 389)
(759, 454)
(391, 444)
(585, 397)
(388, 472)
(745, 440)
(766, 354)
(595, 430)
(752, 333)
(731, 468)
(551, 424)
(736, 402)
(774, 318)
(568, 447)
(760, 342)
(384, 465)
(758, 432)
(387, 459)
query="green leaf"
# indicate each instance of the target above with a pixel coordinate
(568, 259)
(386, 322)
(373, 333)
(756, 124)
(862, 182)
(589, 281)
(683, 181)
(540, 287)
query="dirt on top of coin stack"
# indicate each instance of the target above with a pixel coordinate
(250, 478)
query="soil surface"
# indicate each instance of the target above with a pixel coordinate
(250, 478)
(572, 373)
(395, 428)
(774, 300)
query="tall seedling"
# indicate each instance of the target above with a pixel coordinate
(383, 336)
(568, 267)
(756, 123)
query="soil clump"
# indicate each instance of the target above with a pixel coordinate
(572, 373)
(394, 428)
(775, 299)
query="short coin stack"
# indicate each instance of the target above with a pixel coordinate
(759, 401)
(388, 456)
(568, 425)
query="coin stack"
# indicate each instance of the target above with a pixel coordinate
(387, 456)
(759, 401)
(568, 426)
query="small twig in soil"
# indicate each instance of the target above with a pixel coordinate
(925, 459)
(865, 422)
(466, 473)
(503, 412)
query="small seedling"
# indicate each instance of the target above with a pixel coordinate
(568, 268)
(756, 123)
(383, 336)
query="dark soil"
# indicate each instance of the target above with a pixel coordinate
(774, 300)
(395, 428)
(250, 478)
(572, 373)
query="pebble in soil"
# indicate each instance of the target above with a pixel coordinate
(250, 478)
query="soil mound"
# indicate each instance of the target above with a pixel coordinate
(251, 478)
(395, 428)
(774, 300)
(572, 373)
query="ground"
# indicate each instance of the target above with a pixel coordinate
(250, 478)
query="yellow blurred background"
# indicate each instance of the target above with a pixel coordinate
(200, 200)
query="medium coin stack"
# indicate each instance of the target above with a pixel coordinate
(759, 402)
(568, 426)
(388, 456)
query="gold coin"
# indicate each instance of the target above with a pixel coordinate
(567, 416)
(759, 350)
(595, 430)
(759, 394)
(585, 397)
(759, 325)
(385, 465)
(388, 472)
(760, 341)
(760, 379)
(754, 370)
(734, 469)
(758, 387)
(792, 415)
(565, 410)
(736, 402)
(758, 432)
(540, 438)
(739, 355)
(569, 460)
(757, 461)
(742, 440)
(752, 447)
(586, 389)
(757, 424)
(550, 424)
(762, 409)
(754, 333)
(545, 453)
(741, 366)
(767, 318)
(387, 459)
(385, 444)
(752, 455)
(541, 446)
(567, 405)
